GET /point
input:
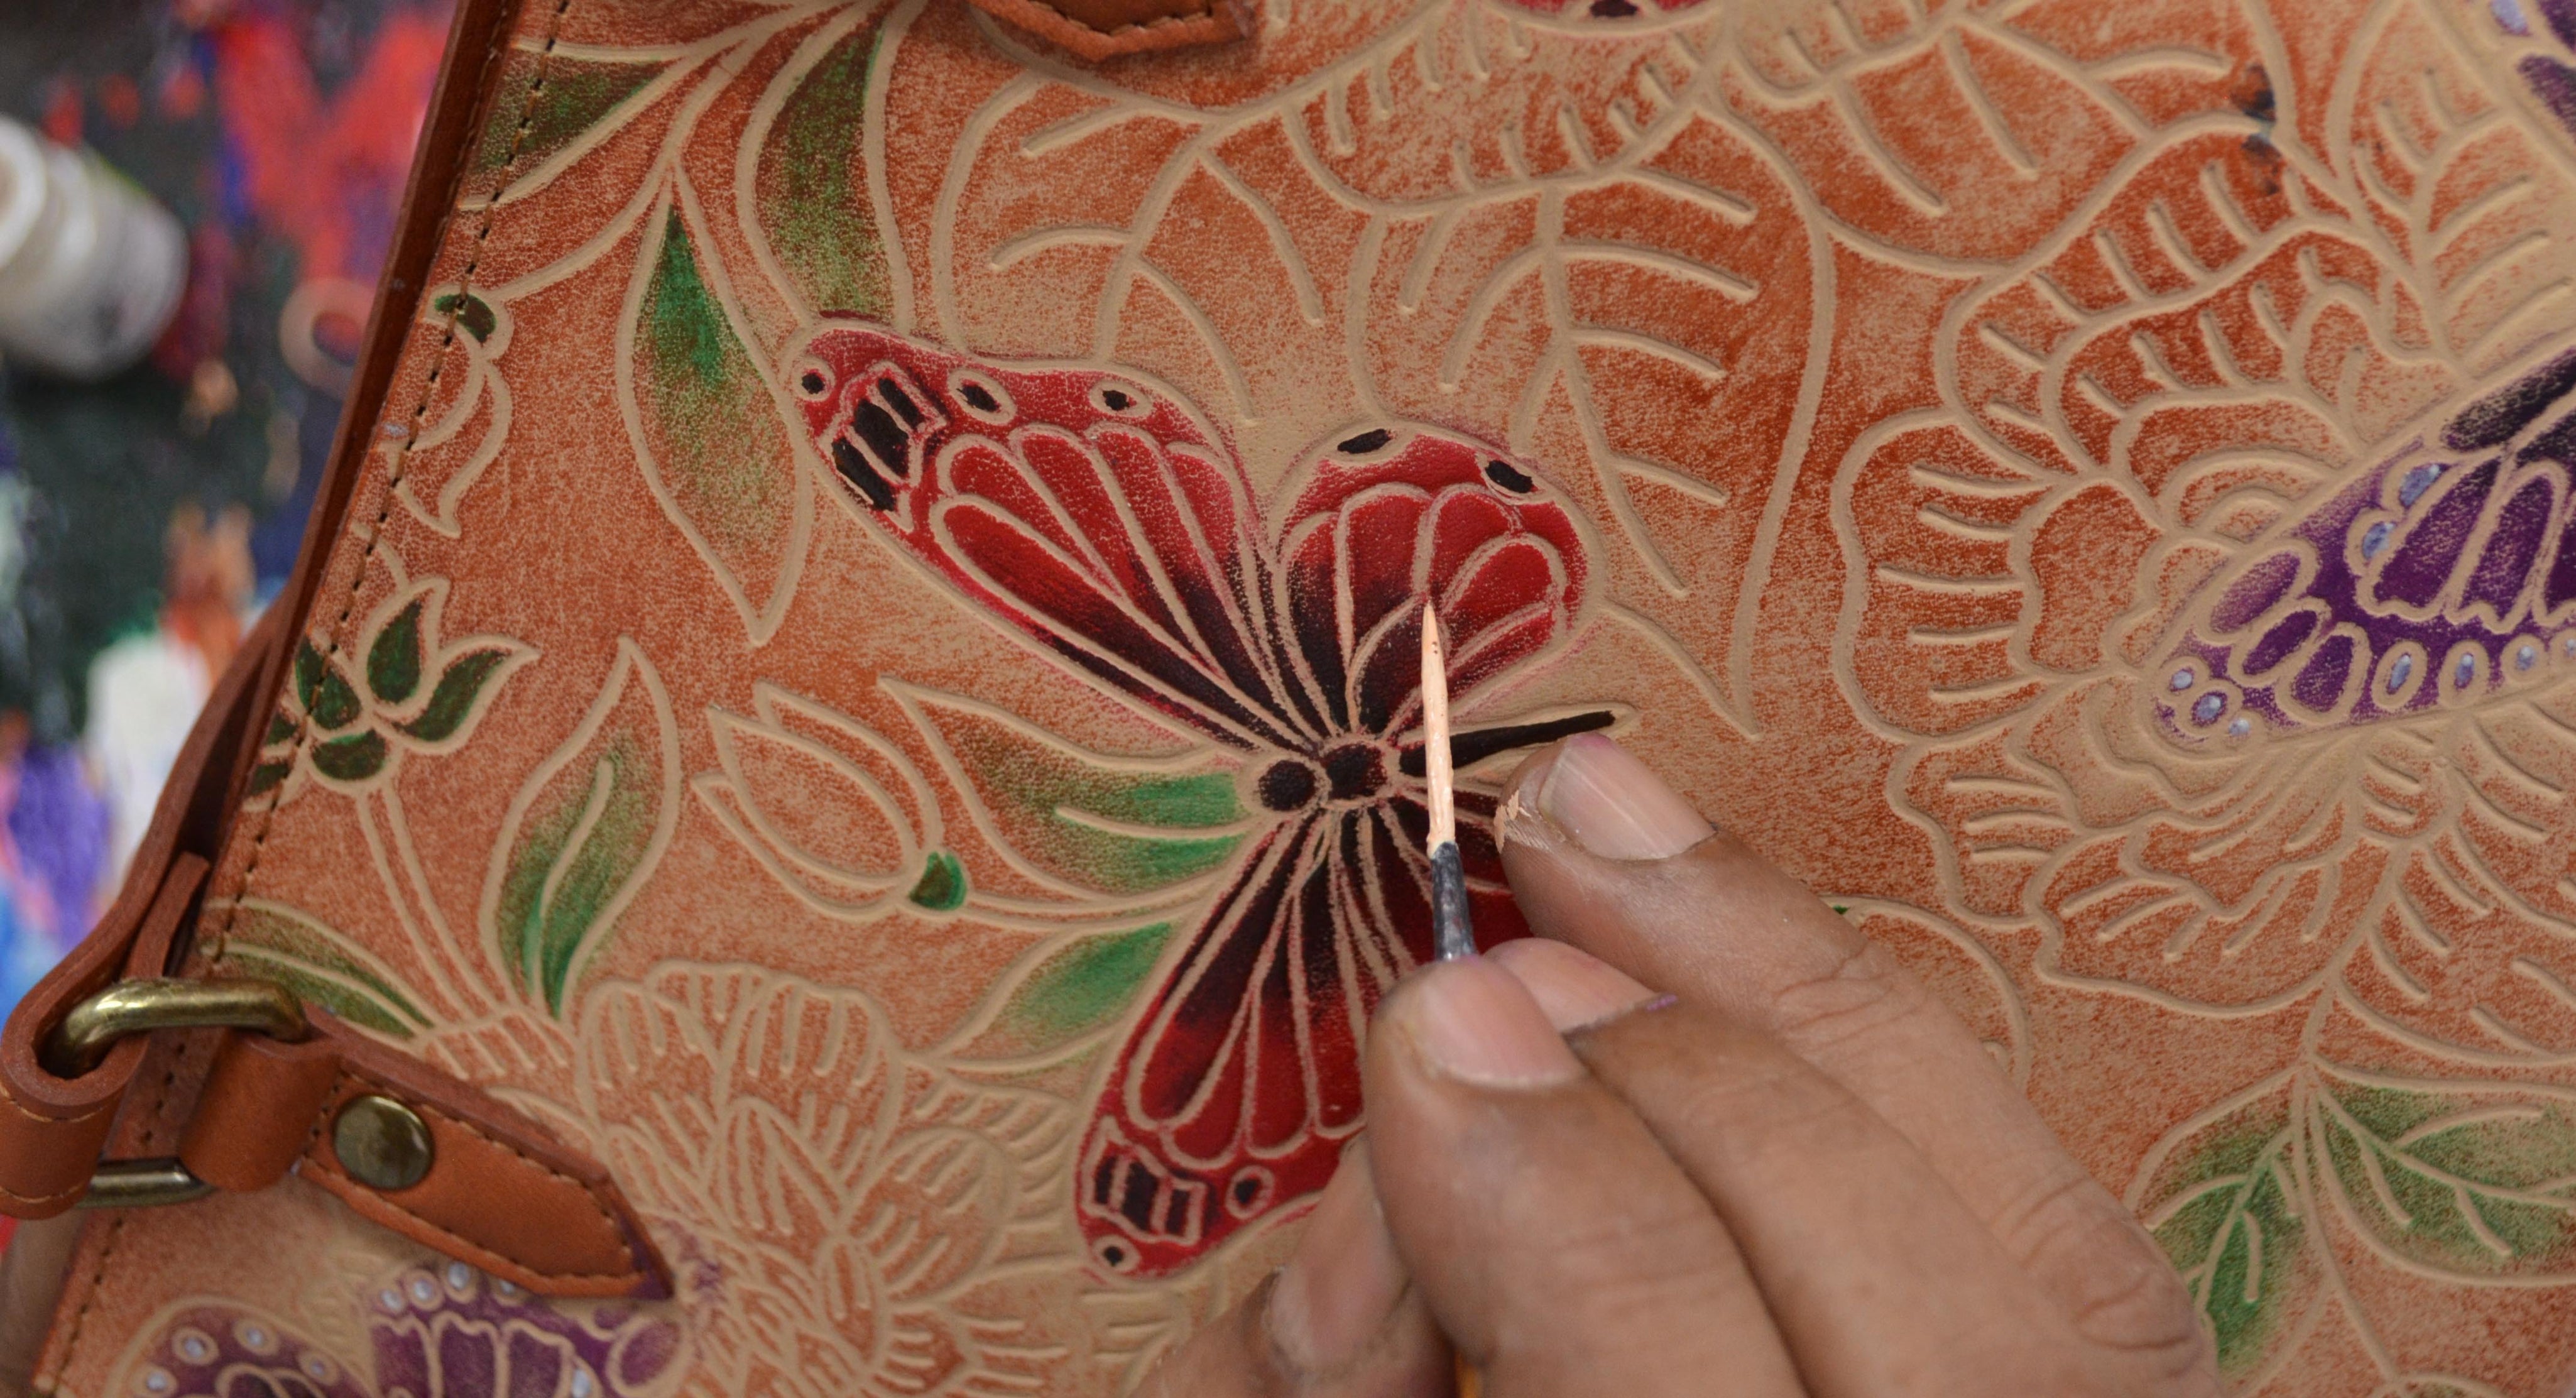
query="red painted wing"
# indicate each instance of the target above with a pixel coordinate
(1241, 1082)
(1102, 518)
(1098, 515)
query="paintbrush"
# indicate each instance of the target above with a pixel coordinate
(1453, 932)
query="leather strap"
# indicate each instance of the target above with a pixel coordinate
(1097, 29)
(500, 1193)
(51, 1128)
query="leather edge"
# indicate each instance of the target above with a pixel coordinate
(494, 1127)
(1217, 22)
(465, 82)
(469, 74)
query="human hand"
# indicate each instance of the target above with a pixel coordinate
(1795, 1173)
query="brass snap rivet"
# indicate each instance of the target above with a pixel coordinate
(381, 1143)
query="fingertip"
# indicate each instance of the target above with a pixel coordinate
(1573, 988)
(1475, 1022)
(1339, 1290)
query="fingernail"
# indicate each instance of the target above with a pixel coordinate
(1474, 1021)
(1613, 806)
(1573, 988)
(1338, 1289)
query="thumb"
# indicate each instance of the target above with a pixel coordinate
(1341, 1320)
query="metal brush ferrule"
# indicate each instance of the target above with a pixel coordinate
(1453, 930)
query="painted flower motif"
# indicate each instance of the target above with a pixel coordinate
(409, 693)
(1101, 518)
(832, 810)
(443, 1332)
(2232, 609)
(832, 1202)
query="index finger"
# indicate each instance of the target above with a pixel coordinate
(1560, 1247)
(1603, 855)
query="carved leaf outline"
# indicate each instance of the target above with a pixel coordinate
(583, 833)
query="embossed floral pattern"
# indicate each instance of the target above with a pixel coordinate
(2080, 484)
(409, 694)
(446, 1331)
(837, 1201)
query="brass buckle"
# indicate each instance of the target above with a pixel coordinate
(138, 1007)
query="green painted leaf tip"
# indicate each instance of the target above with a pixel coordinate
(318, 965)
(1075, 991)
(570, 862)
(942, 887)
(2224, 1211)
(323, 969)
(2472, 1180)
(1095, 821)
(578, 94)
(811, 192)
(309, 669)
(335, 703)
(315, 990)
(452, 701)
(265, 777)
(393, 659)
(473, 316)
(351, 759)
(711, 428)
(280, 728)
(583, 833)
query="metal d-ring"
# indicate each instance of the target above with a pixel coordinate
(140, 1006)
(96, 1024)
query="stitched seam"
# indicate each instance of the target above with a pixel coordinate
(116, 1231)
(458, 1242)
(402, 458)
(604, 1214)
(92, 1114)
(44, 1198)
(250, 867)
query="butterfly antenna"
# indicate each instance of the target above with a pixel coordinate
(1453, 932)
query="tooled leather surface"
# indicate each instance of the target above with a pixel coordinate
(1937, 397)
(1097, 29)
(496, 1192)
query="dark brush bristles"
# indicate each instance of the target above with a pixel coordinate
(1453, 930)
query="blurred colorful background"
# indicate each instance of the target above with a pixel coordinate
(144, 519)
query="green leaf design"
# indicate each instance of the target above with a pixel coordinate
(281, 727)
(393, 658)
(2474, 1179)
(584, 832)
(2224, 1208)
(811, 191)
(942, 887)
(1090, 820)
(473, 315)
(351, 759)
(578, 94)
(320, 966)
(1075, 991)
(451, 702)
(308, 673)
(709, 430)
(327, 698)
(265, 777)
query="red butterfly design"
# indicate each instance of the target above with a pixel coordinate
(1102, 517)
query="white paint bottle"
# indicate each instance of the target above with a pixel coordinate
(91, 269)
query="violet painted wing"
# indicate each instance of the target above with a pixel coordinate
(2442, 573)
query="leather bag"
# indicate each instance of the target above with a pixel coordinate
(829, 802)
